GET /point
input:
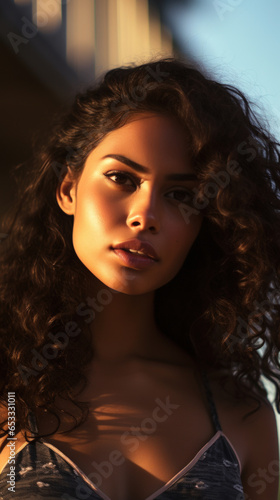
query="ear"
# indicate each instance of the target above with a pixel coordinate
(66, 194)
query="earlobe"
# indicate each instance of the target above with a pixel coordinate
(66, 195)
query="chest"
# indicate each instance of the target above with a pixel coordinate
(139, 434)
(130, 449)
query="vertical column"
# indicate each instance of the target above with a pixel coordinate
(47, 14)
(113, 41)
(127, 38)
(160, 37)
(80, 35)
(166, 41)
(155, 34)
(101, 36)
(143, 28)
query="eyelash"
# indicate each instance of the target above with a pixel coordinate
(135, 181)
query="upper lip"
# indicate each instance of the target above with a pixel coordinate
(140, 246)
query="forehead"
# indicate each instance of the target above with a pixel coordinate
(150, 139)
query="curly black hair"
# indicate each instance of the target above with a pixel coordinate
(223, 305)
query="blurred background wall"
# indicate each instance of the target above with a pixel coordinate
(50, 49)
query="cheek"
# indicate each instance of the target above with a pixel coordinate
(87, 227)
(95, 214)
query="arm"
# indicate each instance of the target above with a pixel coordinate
(260, 476)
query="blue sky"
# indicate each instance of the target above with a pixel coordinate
(239, 41)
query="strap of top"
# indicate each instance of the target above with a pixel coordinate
(32, 424)
(212, 406)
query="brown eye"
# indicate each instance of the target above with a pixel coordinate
(121, 178)
(180, 195)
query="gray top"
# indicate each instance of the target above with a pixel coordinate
(43, 471)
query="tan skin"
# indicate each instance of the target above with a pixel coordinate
(134, 364)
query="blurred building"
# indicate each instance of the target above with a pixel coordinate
(50, 49)
(66, 43)
(102, 34)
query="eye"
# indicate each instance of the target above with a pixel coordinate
(180, 195)
(121, 178)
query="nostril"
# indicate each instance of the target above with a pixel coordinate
(136, 223)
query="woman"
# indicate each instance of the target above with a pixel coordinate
(140, 298)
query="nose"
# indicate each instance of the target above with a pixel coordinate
(144, 213)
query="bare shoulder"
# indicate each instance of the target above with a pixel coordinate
(261, 470)
(251, 427)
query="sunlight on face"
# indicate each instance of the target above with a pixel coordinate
(127, 205)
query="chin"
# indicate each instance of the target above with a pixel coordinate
(132, 285)
(131, 289)
(132, 281)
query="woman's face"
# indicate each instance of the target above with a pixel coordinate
(129, 203)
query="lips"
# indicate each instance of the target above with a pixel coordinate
(139, 248)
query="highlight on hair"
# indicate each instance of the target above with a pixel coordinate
(223, 306)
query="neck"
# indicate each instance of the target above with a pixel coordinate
(123, 326)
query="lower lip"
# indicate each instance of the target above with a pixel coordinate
(133, 260)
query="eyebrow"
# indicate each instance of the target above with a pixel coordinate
(144, 170)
